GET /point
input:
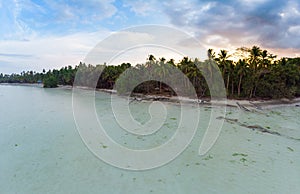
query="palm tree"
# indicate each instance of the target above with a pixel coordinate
(211, 54)
(265, 61)
(255, 53)
(241, 71)
(209, 64)
(171, 62)
(254, 60)
(184, 66)
(225, 66)
(223, 57)
(161, 71)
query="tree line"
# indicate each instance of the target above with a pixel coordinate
(255, 73)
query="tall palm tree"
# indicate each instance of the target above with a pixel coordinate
(171, 62)
(209, 64)
(255, 53)
(184, 66)
(241, 71)
(211, 54)
(254, 61)
(150, 67)
(265, 61)
(161, 71)
(225, 66)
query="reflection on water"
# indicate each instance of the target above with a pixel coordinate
(42, 152)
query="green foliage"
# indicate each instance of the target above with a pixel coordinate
(50, 82)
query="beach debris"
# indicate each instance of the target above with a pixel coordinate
(200, 101)
(242, 107)
(256, 109)
(135, 99)
(256, 106)
(149, 98)
(158, 98)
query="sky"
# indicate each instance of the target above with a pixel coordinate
(47, 34)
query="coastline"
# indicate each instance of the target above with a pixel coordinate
(251, 105)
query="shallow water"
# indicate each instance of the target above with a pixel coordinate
(41, 150)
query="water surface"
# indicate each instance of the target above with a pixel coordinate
(41, 150)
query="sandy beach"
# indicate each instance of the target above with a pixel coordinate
(253, 104)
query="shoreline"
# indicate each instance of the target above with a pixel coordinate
(252, 104)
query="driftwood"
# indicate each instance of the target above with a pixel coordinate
(242, 107)
(149, 98)
(257, 109)
(256, 106)
(135, 99)
(199, 101)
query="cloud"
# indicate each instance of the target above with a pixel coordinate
(141, 7)
(81, 11)
(8, 67)
(47, 52)
(264, 22)
(295, 30)
(11, 26)
(135, 44)
(130, 45)
(47, 34)
(24, 19)
(14, 55)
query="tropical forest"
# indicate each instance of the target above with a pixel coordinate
(250, 73)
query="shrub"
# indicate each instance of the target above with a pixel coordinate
(50, 82)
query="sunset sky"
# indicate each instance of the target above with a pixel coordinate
(37, 34)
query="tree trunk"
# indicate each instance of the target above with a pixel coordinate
(239, 86)
(160, 87)
(232, 88)
(227, 84)
(254, 92)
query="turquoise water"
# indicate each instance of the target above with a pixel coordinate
(41, 150)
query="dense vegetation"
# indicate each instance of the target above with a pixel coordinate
(50, 82)
(256, 74)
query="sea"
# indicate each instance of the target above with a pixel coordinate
(46, 148)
